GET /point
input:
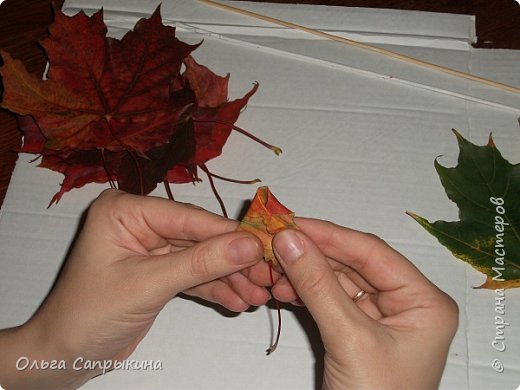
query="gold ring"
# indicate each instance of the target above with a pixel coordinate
(359, 295)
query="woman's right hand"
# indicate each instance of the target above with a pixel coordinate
(396, 336)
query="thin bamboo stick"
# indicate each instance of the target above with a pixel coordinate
(387, 53)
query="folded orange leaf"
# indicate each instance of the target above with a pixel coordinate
(265, 217)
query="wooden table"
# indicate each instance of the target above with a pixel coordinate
(24, 22)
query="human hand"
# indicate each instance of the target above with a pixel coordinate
(395, 337)
(133, 255)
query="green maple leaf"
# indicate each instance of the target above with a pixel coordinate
(486, 189)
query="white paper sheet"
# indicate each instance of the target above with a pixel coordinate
(358, 150)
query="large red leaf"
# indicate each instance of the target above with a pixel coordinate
(101, 92)
(120, 110)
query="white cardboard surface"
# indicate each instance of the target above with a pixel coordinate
(358, 150)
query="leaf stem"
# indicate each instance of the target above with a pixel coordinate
(214, 189)
(139, 171)
(275, 149)
(109, 176)
(168, 190)
(272, 348)
(254, 181)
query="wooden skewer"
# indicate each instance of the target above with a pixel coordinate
(365, 46)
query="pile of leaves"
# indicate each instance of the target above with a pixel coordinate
(486, 189)
(132, 112)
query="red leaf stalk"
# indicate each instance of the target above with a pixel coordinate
(214, 189)
(168, 190)
(274, 148)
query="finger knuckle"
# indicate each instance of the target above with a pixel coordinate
(376, 240)
(200, 260)
(106, 201)
(109, 193)
(451, 313)
(313, 281)
(445, 310)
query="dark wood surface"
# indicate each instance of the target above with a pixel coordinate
(24, 22)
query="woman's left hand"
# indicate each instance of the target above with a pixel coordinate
(133, 255)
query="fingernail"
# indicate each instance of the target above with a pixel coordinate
(243, 250)
(288, 246)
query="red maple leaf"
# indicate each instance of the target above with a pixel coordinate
(121, 110)
(101, 92)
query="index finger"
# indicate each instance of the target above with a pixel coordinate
(153, 220)
(381, 265)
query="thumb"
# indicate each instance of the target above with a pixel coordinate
(206, 261)
(314, 281)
